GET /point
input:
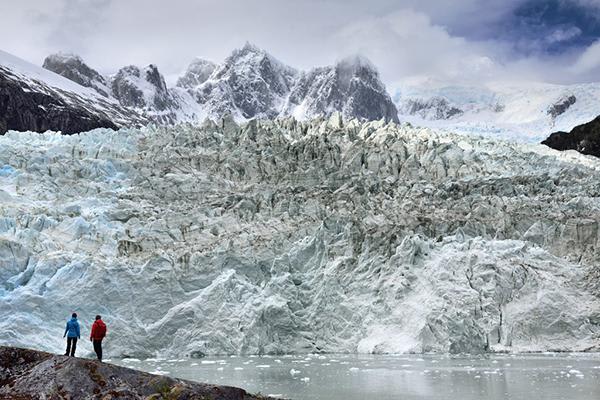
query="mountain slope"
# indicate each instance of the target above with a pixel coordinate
(32, 98)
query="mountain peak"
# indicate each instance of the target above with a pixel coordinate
(356, 61)
(72, 67)
(197, 73)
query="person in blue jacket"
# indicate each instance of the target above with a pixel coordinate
(72, 333)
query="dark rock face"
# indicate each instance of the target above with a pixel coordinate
(24, 107)
(560, 106)
(435, 108)
(583, 138)
(72, 67)
(351, 87)
(29, 374)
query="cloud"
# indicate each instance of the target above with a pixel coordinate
(407, 43)
(589, 61)
(465, 40)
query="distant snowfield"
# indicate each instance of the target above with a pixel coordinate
(288, 237)
(509, 110)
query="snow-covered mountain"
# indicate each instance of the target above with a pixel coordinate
(35, 98)
(197, 73)
(144, 89)
(250, 83)
(520, 111)
(351, 87)
(282, 236)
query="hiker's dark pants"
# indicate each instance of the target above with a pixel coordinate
(98, 348)
(71, 346)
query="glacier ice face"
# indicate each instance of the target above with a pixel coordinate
(276, 237)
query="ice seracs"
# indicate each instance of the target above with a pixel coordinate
(282, 236)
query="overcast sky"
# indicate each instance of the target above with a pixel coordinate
(449, 40)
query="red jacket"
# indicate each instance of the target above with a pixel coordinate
(98, 330)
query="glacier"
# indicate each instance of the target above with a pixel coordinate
(328, 235)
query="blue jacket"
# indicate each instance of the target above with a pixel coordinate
(72, 329)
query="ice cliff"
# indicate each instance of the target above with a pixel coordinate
(281, 236)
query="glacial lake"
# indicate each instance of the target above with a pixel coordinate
(571, 376)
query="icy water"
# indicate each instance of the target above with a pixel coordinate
(354, 377)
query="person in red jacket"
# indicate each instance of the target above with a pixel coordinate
(97, 334)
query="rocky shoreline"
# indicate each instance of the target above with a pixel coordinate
(30, 374)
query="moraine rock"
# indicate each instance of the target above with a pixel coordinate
(351, 87)
(74, 68)
(29, 374)
(584, 138)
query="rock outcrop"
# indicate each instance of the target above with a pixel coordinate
(561, 106)
(31, 375)
(584, 138)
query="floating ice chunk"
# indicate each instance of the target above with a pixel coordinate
(353, 369)
(238, 368)
(305, 379)
(294, 372)
(208, 362)
(160, 372)
(263, 366)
